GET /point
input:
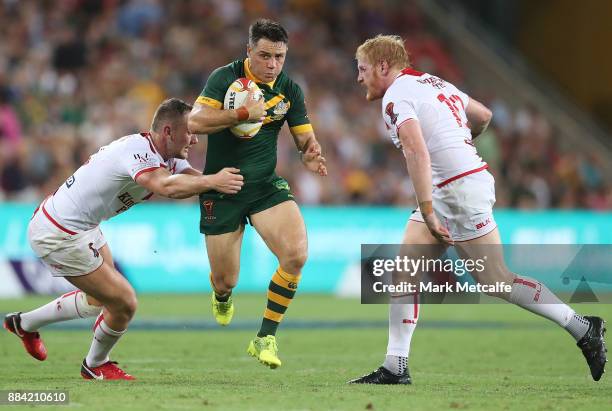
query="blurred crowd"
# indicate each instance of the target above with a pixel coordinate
(76, 74)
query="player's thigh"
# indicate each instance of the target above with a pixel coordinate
(224, 252)
(65, 255)
(417, 244)
(107, 256)
(489, 250)
(418, 241)
(283, 230)
(105, 284)
(417, 233)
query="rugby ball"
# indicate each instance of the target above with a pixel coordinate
(235, 98)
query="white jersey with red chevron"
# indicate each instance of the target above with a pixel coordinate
(439, 107)
(105, 185)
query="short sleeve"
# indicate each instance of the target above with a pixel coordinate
(179, 165)
(397, 111)
(216, 87)
(138, 156)
(297, 116)
(465, 99)
(405, 111)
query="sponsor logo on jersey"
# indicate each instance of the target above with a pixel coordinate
(70, 181)
(389, 112)
(433, 81)
(127, 200)
(209, 210)
(143, 158)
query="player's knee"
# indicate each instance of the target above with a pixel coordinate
(295, 260)
(131, 304)
(125, 304)
(226, 284)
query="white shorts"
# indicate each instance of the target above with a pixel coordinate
(65, 253)
(465, 206)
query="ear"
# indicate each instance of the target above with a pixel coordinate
(383, 67)
(168, 132)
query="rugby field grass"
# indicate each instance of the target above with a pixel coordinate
(463, 357)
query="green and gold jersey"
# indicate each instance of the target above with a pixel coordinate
(255, 157)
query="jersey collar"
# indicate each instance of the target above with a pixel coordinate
(251, 76)
(409, 71)
(149, 138)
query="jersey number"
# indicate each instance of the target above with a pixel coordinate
(451, 103)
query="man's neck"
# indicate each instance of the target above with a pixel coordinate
(158, 143)
(393, 73)
(391, 76)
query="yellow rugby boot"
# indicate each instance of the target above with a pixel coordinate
(265, 350)
(223, 311)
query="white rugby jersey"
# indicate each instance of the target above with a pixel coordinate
(106, 184)
(439, 107)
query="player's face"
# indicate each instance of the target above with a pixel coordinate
(181, 139)
(266, 59)
(369, 77)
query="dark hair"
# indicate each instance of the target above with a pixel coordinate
(267, 29)
(169, 110)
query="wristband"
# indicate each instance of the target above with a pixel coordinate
(243, 114)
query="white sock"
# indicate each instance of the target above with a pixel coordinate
(534, 296)
(69, 306)
(104, 339)
(396, 364)
(403, 316)
(577, 326)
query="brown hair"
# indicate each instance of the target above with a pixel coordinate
(169, 110)
(267, 29)
(384, 48)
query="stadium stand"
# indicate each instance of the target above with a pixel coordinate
(76, 74)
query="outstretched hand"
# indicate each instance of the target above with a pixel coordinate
(313, 160)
